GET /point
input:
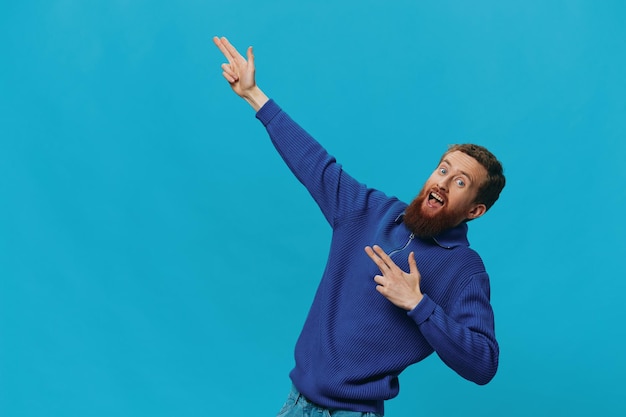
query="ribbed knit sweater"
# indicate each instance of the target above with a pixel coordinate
(355, 342)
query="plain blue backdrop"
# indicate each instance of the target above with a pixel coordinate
(158, 259)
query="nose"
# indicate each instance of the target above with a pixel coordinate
(443, 184)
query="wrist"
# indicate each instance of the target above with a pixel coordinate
(255, 98)
(414, 302)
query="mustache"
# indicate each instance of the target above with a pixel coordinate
(423, 224)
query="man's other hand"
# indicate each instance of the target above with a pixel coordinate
(399, 287)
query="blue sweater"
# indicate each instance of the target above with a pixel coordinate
(355, 342)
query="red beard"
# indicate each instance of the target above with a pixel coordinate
(426, 225)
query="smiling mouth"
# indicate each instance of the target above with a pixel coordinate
(435, 199)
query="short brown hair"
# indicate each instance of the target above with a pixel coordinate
(490, 189)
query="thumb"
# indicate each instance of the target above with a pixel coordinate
(250, 55)
(412, 263)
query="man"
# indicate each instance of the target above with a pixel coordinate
(370, 319)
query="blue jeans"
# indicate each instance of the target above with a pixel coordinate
(298, 406)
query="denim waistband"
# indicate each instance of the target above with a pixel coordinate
(298, 399)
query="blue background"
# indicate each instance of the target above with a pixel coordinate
(158, 259)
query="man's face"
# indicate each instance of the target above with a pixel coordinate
(448, 197)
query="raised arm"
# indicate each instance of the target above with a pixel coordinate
(240, 73)
(333, 189)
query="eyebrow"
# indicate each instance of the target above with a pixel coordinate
(469, 177)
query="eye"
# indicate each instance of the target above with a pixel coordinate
(443, 171)
(460, 182)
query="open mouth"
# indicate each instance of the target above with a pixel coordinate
(435, 199)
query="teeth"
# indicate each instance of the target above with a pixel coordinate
(437, 197)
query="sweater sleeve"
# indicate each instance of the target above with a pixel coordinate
(465, 337)
(332, 188)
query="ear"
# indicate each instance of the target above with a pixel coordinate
(476, 211)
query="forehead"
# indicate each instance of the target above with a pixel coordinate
(462, 163)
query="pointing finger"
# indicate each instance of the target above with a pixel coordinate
(374, 257)
(220, 44)
(383, 255)
(231, 49)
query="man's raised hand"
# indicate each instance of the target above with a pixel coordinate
(240, 73)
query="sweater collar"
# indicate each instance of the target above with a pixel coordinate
(451, 238)
(448, 239)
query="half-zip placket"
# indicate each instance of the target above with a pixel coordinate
(393, 252)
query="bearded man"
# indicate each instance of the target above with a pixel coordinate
(401, 281)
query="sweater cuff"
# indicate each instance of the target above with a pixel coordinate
(423, 310)
(268, 112)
